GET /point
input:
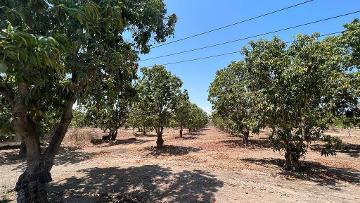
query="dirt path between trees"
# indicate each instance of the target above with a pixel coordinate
(207, 166)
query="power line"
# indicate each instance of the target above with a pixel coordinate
(233, 24)
(230, 53)
(202, 58)
(253, 36)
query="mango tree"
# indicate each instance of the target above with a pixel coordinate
(158, 92)
(298, 85)
(137, 118)
(198, 118)
(182, 111)
(109, 106)
(56, 52)
(348, 100)
(234, 102)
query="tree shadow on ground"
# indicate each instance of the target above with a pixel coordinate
(253, 143)
(140, 134)
(315, 172)
(118, 142)
(187, 137)
(10, 157)
(72, 155)
(129, 141)
(9, 145)
(66, 155)
(148, 183)
(195, 133)
(353, 150)
(171, 150)
(190, 135)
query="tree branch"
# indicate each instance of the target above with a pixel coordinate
(60, 130)
(62, 127)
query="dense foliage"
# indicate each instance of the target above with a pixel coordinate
(158, 92)
(182, 112)
(109, 109)
(197, 119)
(295, 90)
(235, 104)
(161, 103)
(6, 132)
(56, 52)
(348, 110)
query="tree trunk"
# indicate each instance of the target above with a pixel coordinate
(144, 131)
(160, 140)
(181, 132)
(114, 135)
(245, 137)
(32, 184)
(22, 152)
(292, 162)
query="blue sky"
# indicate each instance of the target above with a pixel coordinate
(196, 16)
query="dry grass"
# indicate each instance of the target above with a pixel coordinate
(81, 137)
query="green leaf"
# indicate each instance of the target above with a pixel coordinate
(3, 68)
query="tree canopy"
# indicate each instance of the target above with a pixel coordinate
(54, 53)
(182, 111)
(197, 119)
(234, 102)
(295, 90)
(157, 91)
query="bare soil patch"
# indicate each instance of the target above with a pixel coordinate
(206, 166)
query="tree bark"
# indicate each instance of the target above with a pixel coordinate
(245, 137)
(22, 152)
(181, 132)
(61, 129)
(32, 183)
(144, 131)
(160, 140)
(114, 135)
(292, 162)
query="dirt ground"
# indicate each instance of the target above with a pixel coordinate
(207, 166)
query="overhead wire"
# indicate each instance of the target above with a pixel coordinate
(230, 53)
(234, 24)
(254, 36)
